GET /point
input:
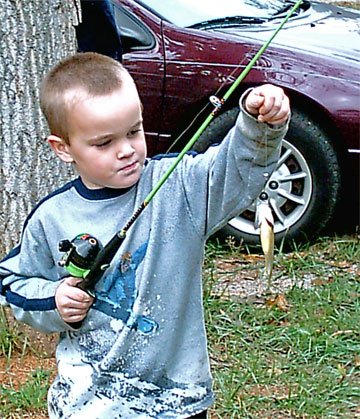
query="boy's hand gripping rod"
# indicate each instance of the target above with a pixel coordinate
(85, 257)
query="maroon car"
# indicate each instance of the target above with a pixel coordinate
(181, 52)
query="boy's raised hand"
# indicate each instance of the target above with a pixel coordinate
(269, 104)
(72, 302)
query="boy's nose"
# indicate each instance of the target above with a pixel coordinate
(126, 150)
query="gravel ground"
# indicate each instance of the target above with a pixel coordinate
(242, 279)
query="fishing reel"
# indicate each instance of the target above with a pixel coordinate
(80, 254)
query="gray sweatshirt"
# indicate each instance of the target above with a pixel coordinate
(141, 352)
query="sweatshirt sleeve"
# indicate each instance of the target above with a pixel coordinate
(29, 279)
(230, 176)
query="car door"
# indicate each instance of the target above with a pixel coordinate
(141, 37)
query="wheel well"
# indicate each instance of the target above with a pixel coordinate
(321, 117)
(317, 114)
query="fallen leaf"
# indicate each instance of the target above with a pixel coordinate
(279, 302)
(322, 281)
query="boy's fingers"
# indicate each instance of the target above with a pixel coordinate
(272, 103)
(73, 317)
(254, 102)
(71, 311)
(73, 281)
(72, 302)
(77, 293)
(68, 303)
(266, 100)
(275, 111)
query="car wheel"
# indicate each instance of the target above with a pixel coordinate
(304, 189)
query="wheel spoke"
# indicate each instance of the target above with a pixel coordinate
(283, 158)
(292, 177)
(275, 207)
(294, 198)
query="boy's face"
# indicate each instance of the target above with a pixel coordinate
(107, 142)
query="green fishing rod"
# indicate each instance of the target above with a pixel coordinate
(85, 257)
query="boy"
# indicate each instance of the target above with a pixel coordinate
(138, 349)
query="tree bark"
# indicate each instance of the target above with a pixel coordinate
(34, 36)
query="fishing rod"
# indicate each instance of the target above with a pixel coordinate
(85, 257)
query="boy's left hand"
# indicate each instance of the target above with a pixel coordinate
(269, 104)
(72, 302)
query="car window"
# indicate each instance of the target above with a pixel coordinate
(187, 13)
(134, 34)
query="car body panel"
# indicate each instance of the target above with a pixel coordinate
(315, 58)
(148, 70)
(200, 61)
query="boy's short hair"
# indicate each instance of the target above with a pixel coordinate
(92, 73)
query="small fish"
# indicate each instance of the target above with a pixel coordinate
(265, 221)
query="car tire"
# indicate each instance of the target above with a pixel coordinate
(303, 207)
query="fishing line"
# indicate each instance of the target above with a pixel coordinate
(208, 104)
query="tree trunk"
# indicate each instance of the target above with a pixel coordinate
(34, 36)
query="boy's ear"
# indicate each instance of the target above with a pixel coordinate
(60, 148)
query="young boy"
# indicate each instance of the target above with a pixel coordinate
(138, 348)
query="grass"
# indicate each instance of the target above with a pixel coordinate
(295, 355)
(285, 355)
(30, 397)
(12, 337)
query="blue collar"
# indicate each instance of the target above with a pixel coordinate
(97, 194)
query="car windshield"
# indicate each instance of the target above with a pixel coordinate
(188, 13)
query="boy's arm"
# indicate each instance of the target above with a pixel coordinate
(231, 176)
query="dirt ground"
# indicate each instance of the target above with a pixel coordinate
(17, 370)
(15, 373)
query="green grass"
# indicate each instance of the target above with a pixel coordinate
(12, 338)
(297, 359)
(29, 398)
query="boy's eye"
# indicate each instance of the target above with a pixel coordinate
(104, 144)
(134, 132)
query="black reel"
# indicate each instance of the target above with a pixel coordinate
(80, 254)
